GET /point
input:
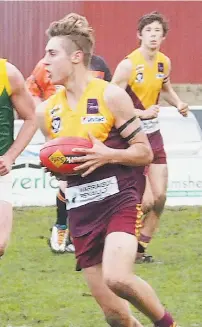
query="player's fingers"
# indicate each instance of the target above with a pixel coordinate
(85, 165)
(183, 111)
(90, 170)
(81, 159)
(82, 150)
(4, 171)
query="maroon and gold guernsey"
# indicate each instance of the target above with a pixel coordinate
(145, 83)
(144, 87)
(109, 188)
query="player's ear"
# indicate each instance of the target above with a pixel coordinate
(139, 36)
(77, 56)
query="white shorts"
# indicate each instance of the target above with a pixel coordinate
(6, 188)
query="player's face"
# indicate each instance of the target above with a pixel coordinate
(59, 61)
(58, 64)
(152, 35)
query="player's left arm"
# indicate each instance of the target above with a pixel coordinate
(171, 96)
(25, 108)
(40, 114)
(138, 153)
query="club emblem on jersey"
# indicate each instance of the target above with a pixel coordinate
(160, 67)
(56, 124)
(92, 106)
(139, 78)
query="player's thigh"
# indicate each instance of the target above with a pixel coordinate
(118, 257)
(158, 178)
(120, 245)
(108, 301)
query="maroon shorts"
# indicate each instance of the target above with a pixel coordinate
(89, 248)
(156, 142)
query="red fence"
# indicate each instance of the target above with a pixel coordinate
(22, 38)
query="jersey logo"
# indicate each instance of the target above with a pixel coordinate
(55, 118)
(92, 106)
(160, 67)
(160, 76)
(56, 124)
(139, 78)
(93, 120)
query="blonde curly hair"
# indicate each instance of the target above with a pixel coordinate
(75, 28)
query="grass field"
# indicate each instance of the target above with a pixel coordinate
(40, 289)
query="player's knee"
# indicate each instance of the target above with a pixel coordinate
(112, 320)
(117, 319)
(159, 202)
(147, 206)
(118, 285)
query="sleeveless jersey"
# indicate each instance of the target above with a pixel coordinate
(6, 110)
(108, 186)
(146, 82)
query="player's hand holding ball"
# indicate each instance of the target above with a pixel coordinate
(93, 158)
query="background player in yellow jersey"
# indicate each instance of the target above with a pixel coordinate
(144, 74)
(13, 94)
(111, 177)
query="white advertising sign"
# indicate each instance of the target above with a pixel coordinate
(34, 187)
(185, 181)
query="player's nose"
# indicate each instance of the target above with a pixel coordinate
(45, 60)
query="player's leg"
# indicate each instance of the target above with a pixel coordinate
(60, 231)
(89, 251)
(116, 310)
(120, 252)
(158, 179)
(148, 198)
(6, 211)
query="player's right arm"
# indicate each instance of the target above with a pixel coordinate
(121, 78)
(40, 110)
(122, 73)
